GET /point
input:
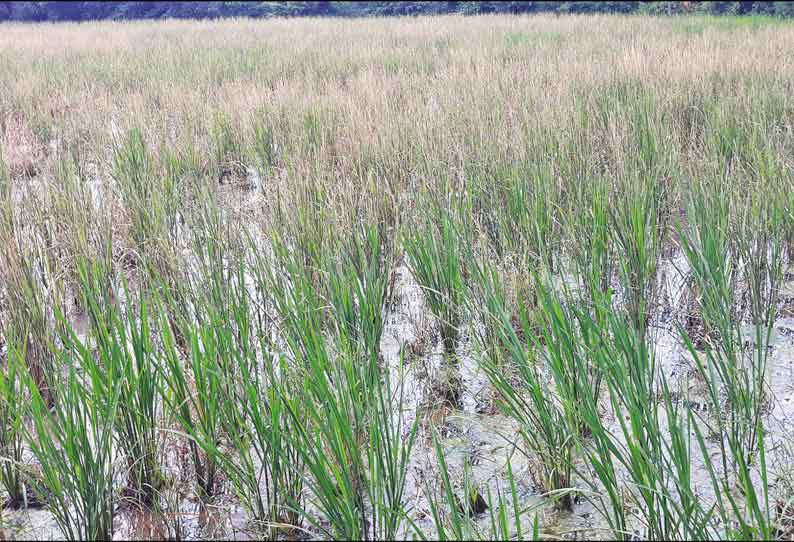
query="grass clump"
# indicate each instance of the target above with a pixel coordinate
(524, 394)
(435, 258)
(73, 444)
(12, 411)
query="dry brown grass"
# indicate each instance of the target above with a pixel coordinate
(443, 91)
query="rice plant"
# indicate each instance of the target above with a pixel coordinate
(227, 149)
(434, 256)
(264, 146)
(73, 444)
(655, 448)
(724, 365)
(735, 372)
(593, 250)
(359, 285)
(637, 226)
(126, 352)
(349, 427)
(198, 412)
(548, 438)
(12, 412)
(151, 197)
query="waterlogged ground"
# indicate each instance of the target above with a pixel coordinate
(475, 435)
(475, 438)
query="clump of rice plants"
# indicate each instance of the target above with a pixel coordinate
(195, 367)
(26, 269)
(565, 344)
(654, 448)
(359, 284)
(542, 416)
(637, 226)
(251, 443)
(126, 351)
(226, 147)
(456, 511)
(347, 418)
(725, 367)
(592, 244)
(151, 197)
(192, 390)
(73, 444)
(435, 259)
(12, 411)
(733, 369)
(264, 146)
(193, 362)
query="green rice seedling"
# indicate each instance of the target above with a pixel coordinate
(727, 137)
(25, 269)
(486, 295)
(747, 516)
(592, 243)
(785, 196)
(435, 259)
(760, 247)
(302, 226)
(652, 152)
(12, 411)
(738, 374)
(11, 383)
(450, 515)
(366, 263)
(542, 416)
(564, 344)
(657, 467)
(266, 455)
(502, 527)
(317, 129)
(522, 211)
(637, 226)
(151, 198)
(724, 365)
(391, 442)
(182, 162)
(205, 335)
(347, 421)
(177, 170)
(264, 146)
(195, 381)
(542, 208)
(192, 388)
(126, 353)
(73, 444)
(82, 230)
(333, 448)
(227, 148)
(264, 468)
(133, 171)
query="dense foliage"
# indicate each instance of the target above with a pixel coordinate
(83, 11)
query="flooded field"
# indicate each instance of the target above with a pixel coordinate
(458, 278)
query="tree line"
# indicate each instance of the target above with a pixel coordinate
(86, 11)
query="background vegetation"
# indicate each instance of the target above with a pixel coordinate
(89, 11)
